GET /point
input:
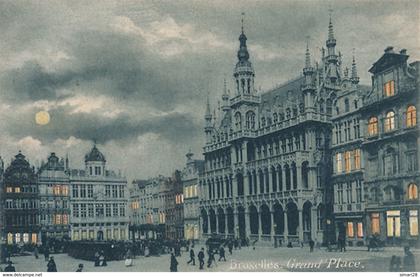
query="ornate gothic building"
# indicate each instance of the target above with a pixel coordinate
(288, 165)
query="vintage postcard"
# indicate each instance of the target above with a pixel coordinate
(209, 136)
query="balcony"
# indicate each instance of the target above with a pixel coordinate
(245, 97)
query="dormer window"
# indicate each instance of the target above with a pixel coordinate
(389, 88)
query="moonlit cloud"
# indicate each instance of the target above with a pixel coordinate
(134, 75)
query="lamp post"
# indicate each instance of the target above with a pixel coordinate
(275, 235)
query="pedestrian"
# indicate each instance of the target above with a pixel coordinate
(174, 263)
(222, 253)
(128, 258)
(409, 264)
(395, 264)
(96, 258)
(51, 266)
(211, 258)
(192, 257)
(230, 246)
(36, 252)
(46, 253)
(102, 260)
(10, 267)
(80, 268)
(201, 258)
(311, 245)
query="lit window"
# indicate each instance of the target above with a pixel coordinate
(64, 190)
(373, 126)
(389, 88)
(9, 238)
(350, 230)
(34, 238)
(17, 189)
(393, 223)
(57, 219)
(9, 189)
(347, 161)
(17, 237)
(411, 116)
(359, 229)
(25, 237)
(414, 223)
(390, 121)
(65, 219)
(357, 158)
(374, 218)
(339, 163)
(412, 192)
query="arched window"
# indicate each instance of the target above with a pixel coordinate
(250, 120)
(238, 121)
(390, 121)
(373, 126)
(346, 105)
(412, 192)
(411, 116)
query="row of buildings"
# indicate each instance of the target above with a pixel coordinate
(319, 157)
(55, 201)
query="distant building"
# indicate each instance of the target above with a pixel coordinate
(20, 199)
(175, 208)
(54, 197)
(148, 200)
(190, 181)
(99, 199)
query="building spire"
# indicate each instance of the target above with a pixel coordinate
(307, 55)
(330, 26)
(242, 22)
(243, 54)
(354, 77)
(208, 106)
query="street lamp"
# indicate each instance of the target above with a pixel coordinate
(275, 235)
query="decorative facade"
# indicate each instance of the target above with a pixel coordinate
(190, 179)
(99, 199)
(391, 149)
(318, 157)
(20, 200)
(54, 197)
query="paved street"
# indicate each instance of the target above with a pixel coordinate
(247, 259)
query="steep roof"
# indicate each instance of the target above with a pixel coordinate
(95, 156)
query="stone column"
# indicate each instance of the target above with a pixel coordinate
(234, 183)
(260, 231)
(222, 187)
(284, 178)
(247, 225)
(314, 222)
(299, 176)
(300, 225)
(270, 180)
(246, 183)
(286, 228)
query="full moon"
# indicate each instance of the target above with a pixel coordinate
(42, 118)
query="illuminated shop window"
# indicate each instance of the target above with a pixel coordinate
(375, 223)
(17, 237)
(350, 230)
(34, 238)
(25, 237)
(9, 238)
(393, 223)
(359, 229)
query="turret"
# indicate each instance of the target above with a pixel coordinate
(331, 59)
(208, 122)
(244, 72)
(354, 78)
(225, 98)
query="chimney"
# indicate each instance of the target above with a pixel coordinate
(389, 49)
(403, 51)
